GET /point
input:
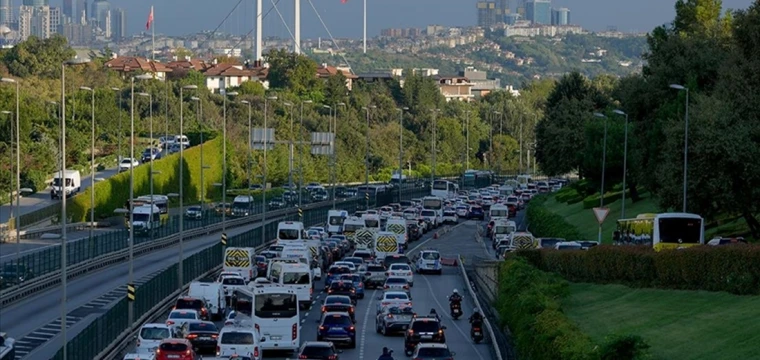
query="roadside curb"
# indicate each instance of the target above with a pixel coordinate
(474, 296)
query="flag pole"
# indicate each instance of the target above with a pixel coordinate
(153, 36)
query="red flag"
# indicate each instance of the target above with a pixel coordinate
(150, 19)
(343, 1)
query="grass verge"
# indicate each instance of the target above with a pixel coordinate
(676, 324)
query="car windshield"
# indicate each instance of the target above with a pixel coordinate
(375, 268)
(317, 352)
(399, 311)
(173, 347)
(233, 281)
(242, 338)
(339, 320)
(202, 327)
(341, 286)
(153, 333)
(431, 256)
(288, 234)
(295, 278)
(182, 315)
(425, 326)
(434, 352)
(352, 278)
(396, 297)
(338, 300)
(340, 270)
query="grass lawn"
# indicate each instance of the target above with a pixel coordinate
(676, 324)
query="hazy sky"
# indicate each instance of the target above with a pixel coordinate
(177, 17)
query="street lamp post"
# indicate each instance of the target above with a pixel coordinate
(625, 159)
(300, 154)
(290, 150)
(150, 114)
(92, 158)
(434, 142)
(199, 111)
(181, 194)
(264, 175)
(248, 149)
(224, 161)
(604, 164)
(366, 159)
(401, 146)
(467, 138)
(334, 155)
(64, 260)
(685, 142)
(491, 150)
(121, 134)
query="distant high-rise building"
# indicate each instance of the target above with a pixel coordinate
(68, 8)
(34, 21)
(487, 13)
(55, 20)
(504, 6)
(6, 12)
(511, 19)
(81, 12)
(36, 2)
(78, 34)
(98, 11)
(561, 16)
(539, 12)
(118, 24)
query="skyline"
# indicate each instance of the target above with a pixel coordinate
(345, 19)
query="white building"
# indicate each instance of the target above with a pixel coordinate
(34, 21)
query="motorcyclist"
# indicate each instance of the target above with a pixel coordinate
(455, 297)
(434, 314)
(476, 319)
(387, 354)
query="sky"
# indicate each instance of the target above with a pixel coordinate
(179, 17)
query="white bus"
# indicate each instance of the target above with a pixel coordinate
(434, 203)
(297, 277)
(335, 220)
(274, 312)
(444, 189)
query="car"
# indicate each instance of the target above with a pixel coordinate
(395, 259)
(365, 255)
(356, 261)
(423, 329)
(429, 261)
(177, 318)
(191, 303)
(179, 349)
(413, 231)
(476, 212)
(358, 282)
(318, 350)
(334, 272)
(349, 264)
(340, 287)
(151, 335)
(276, 203)
(395, 283)
(337, 327)
(202, 334)
(150, 154)
(450, 216)
(392, 319)
(393, 298)
(402, 270)
(14, 274)
(432, 351)
(127, 163)
(375, 276)
(568, 245)
(194, 212)
(339, 303)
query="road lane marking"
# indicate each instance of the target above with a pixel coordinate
(366, 324)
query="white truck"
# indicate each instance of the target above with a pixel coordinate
(386, 244)
(145, 219)
(241, 260)
(397, 225)
(335, 221)
(213, 294)
(71, 186)
(242, 205)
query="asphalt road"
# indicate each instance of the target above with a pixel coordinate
(42, 199)
(35, 322)
(429, 291)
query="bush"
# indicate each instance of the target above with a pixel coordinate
(544, 223)
(114, 193)
(734, 269)
(565, 194)
(529, 302)
(593, 200)
(625, 347)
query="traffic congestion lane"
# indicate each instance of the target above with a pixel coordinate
(41, 199)
(24, 317)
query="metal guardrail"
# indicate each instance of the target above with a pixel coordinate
(491, 334)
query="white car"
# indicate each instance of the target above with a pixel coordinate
(151, 335)
(462, 211)
(127, 163)
(401, 270)
(397, 298)
(427, 350)
(450, 216)
(429, 261)
(347, 264)
(177, 318)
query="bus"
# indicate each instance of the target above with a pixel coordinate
(661, 231)
(436, 204)
(274, 312)
(444, 189)
(475, 178)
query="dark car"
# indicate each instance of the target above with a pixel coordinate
(276, 203)
(14, 274)
(340, 287)
(339, 303)
(191, 303)
(414, 232)
(203, 335)
(476, 212)
(337, 327)
(421, 330)
(318, 350)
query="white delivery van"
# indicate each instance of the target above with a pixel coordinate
(239, 339)
(213, 294)
(146, 218)
(372, 221)
(397, 225)
(242, 205)
(289, 231)
(350, 226)
(296, 277)
(386, 244)
(182, 140)
(242, 261)
(71, 186)
(335, 220)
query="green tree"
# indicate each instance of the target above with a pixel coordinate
(251, 88)
(38, 57)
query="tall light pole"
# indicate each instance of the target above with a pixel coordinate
(290, 150)
(434, 141)
(121, 134)
(64, 261)
(467, 138)
(92, 158)
(604, 164)
(224, 162)
(334, 155)
(182, 182)
(300, 154)
(330, 129)
(625, 159)
(366, 158)
(150, 113)
(17, 215)
(401, 145)
(491, 150)
(264, 175)
(685, 142)
(199, 118)
(248, 149)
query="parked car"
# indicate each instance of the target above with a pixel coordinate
(127, 163)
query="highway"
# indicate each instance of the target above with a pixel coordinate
(429, 291)
(42, 199)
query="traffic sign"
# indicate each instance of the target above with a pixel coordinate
(601, 214)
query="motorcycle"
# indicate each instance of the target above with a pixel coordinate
(456, 310)
(476, 333)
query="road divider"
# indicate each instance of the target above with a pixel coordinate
(486, 322)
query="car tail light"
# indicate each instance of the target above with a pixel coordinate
(351, 328)
(324, 309)
(332, 357)
(390, 316)
(387, 274)
(386, 286)
(169, 322)
(409, 304)
(192, 336)
(218, 351)
(406, 286)
(256, 352)
(158, 352)
(302, 357)
(311, 291)
(294, 332)
(322, 328)
(410, 332)
(138, 342)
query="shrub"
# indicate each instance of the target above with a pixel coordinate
(625, 347)
(565, 194)
(593, 200)
(734, 269)
(544, 223)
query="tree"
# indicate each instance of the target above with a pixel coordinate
(36, 57)
(251, 88)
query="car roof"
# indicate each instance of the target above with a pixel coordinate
(176, 340)
(432, 345)
(344, 297)
(394, 292)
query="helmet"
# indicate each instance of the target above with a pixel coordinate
(475, 310)
(432, 311)
(456, 291)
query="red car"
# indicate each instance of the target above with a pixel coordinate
(176, 349)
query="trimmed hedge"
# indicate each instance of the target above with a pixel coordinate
(114, 192)
(529, 302)
(734, 269)
(593, 200)
(544, 223)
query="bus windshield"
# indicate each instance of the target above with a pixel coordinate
(371, 223)
(441, 185)
(337, 220)
(499, 213)
(680, 230)
(434, 204)
(141, 217)
(276, 306)
(288, 234)
(295, 278)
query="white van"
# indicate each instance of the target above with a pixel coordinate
(182, 140)
(288, 231)
(296, 277)
(397, 225)
(213, 294)
(239, 339)
(151, 335)
(274, 277)
(335, 219)
(242, 261)
(146, 218)
(71, 186)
